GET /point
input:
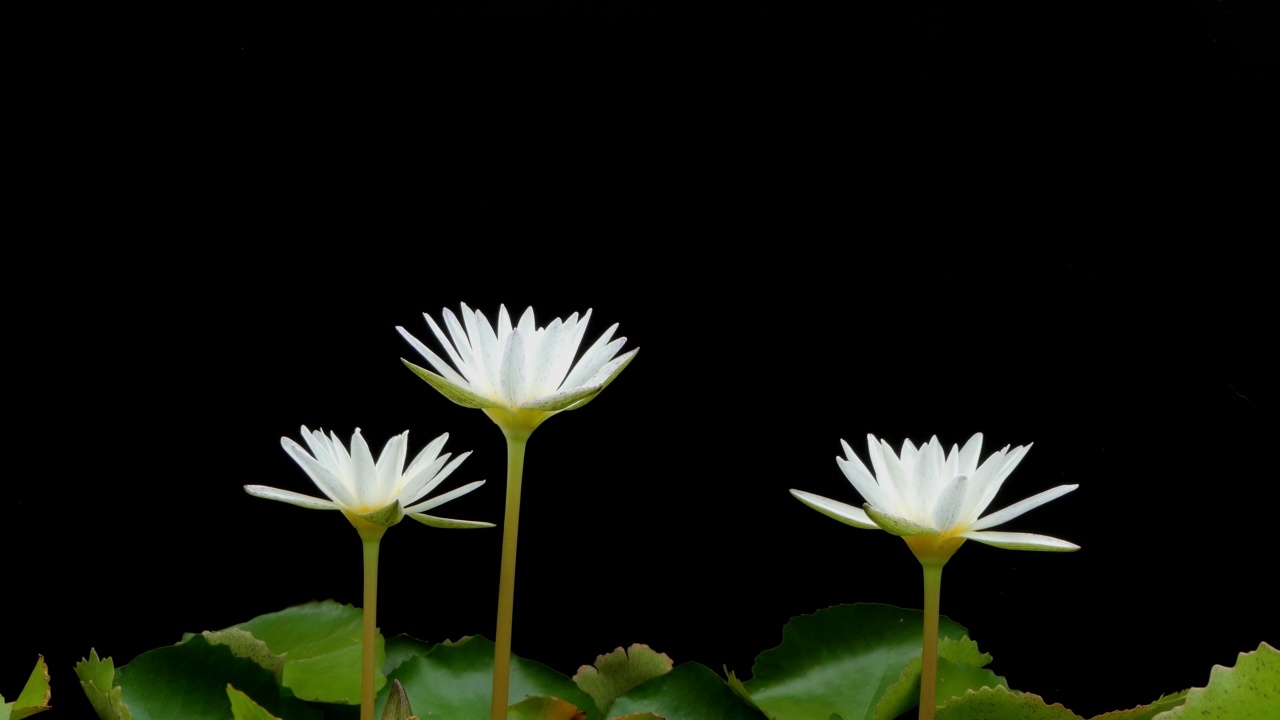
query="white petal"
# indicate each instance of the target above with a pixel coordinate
(847, 514)
(440, 365)
(969, 455)
(860, 477)
(1002, 516)
(363, 478)
(949, 505)
(570, 339)
(543, 358)
(321, 475)
(426, 456)
(292, 498)
(603, 377)
(421, 481)
(1000, 473)
(600, 352)
(488, 347)
(446, 497)
(1020, 541)
(513, 380)
(504, 322)
(440, 477)
(470, 344)
(875, 451)
(390, 465)
(899, 478)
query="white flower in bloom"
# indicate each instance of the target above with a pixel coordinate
(931, 497)
(518, 374)
(380, 491)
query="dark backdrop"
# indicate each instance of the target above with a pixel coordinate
(817, 220)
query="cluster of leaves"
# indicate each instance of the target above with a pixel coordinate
(849, 662)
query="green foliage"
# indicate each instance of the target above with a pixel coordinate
(244, 708)
(544, 708)
(189, 681)
(404, 647)
(840, 660)
(960, 668)
(243, 644)
(97, 677)
(689, 692)
(616, 673)
(34, 697)
(1146, 712)
(1248, 691)
(1000, 703)
(320, 645)
(455, 680)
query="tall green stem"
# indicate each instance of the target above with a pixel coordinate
(507, 580)
(929, 650)
(371, 537)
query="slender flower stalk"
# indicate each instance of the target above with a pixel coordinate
(372, 495)
(519, 375)
(934, 501)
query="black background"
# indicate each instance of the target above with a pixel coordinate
(817, 220)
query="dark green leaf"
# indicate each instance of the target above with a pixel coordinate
(689, 692)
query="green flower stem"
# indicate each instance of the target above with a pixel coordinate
(516, 441)
(929, 650)
(371, 536)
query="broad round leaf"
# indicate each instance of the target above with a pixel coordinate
(689, 692)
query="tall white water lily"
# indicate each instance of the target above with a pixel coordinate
(379, 491)
(373, 495)
(934, 500)
(927, 493)
(519, 374)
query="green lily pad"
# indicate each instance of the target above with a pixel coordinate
(1000, 703)
(455, 680)
(404, 647)
(841, 660)
(189, 681)
(34, 697)
(960, 668)
(616, 673)
(544, 708)
(320, 644)
(689, 692)
(97, 678)
(244, 708)
(243, 644)
(1248, 691)
(1148, 711)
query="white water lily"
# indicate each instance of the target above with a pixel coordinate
(518, 374)
(935, 500)
(380, 491)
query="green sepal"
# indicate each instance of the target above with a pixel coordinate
(97, 678)
(453, 391)
(616, 673)
(689, 692)
(384, 517)
(895, 525)
(244, 708)
(1000, 703)
(1248, 691)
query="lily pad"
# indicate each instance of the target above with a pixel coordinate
(243, 644)
(404, 647)
(841, 660)
(545, 708)
(1248, 691)
(617, 672)
(1148, 711)
(1002, 704)
(244, 708)
(97, 678)
(960, 668)
(455, 680)
(689, 692)
(189, 681)
(321, 646)
(34, 697)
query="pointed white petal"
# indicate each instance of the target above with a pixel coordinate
(426, 456)
(543, 358)
(897, 476)
(440, 365)
(292, 498)
(875, 452)
(847, 514)
(969, 455)
(390, 465)
(363, 478)
(599, 353)
(504, 322)
(512, 383)
(321, 475)
(1020, 541)
(440, 477)
(1003, 516)
(470, 347)
(860, 477)
(947, 508)
(444, 498)
(488, 347)
(1000, 473)
(422, 480)
(570, 338)
(606, 375)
